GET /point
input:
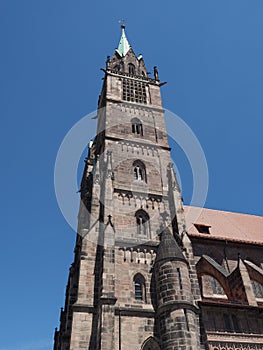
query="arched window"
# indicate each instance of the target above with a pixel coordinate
(216, 286)
(139, 287)
(211, 288)
(150, 344)
(257, 289)
(131, 68)
(139, 171)
(137, 127)
(142, 222)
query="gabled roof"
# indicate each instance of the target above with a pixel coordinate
(124, 45)
(225, 225)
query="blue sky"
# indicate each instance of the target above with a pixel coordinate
(211, 54)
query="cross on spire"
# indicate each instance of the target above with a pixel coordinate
(122, 21)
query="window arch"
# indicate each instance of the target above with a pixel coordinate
(139, 287)
(139, 171)
(150, 344)
(137, 128)
(142, 223)
(131, 68)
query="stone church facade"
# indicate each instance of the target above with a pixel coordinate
(144, 277)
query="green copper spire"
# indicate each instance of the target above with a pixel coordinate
(124, 45)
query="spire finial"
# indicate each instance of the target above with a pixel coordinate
(124, 45)
(122, 21)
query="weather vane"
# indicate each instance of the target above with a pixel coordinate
(122, 21)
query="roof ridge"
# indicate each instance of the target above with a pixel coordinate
(221, 211)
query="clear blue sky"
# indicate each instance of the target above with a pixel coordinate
(211, 54)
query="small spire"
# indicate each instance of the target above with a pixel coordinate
(124, 45)
(168, 247)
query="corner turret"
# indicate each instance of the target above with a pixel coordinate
(176, 311)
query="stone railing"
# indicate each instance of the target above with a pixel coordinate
(234, 341)
(141, 77)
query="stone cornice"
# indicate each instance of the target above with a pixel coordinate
(132, 244)
(155, 196)
(226, 337)
(123, 311)
(135, 143)
(134, 311)
(176, 305)
(146, 80)
(136, 104)
(207, 239)
(230, 305)
(84, 308)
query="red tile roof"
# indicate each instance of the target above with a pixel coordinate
(225, 225)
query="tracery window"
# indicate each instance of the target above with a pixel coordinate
(142, 222)
(139, 171)
(216, 286)
(257, 289)
(137, 127)
(212, 288)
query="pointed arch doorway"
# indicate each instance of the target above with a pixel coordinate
(150, 344)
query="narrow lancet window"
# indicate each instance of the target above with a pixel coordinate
(131, 68)
(179, 279)
(139, 171)
(139, 287)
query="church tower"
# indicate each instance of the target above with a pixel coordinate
(132, 284)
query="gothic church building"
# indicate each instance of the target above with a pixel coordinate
(144, 278)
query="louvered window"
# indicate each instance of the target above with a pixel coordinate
(134, 91)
